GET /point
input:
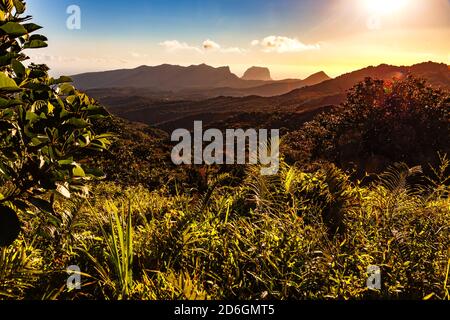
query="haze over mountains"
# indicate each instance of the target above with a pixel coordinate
(257, 73)
(436, 74)
(286, 110)
(197, 80)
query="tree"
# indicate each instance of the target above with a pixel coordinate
(45, 127)
(380, 123)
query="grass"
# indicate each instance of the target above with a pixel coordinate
(295, 235)
(115, 274)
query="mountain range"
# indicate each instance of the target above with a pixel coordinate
(197, 80)
(286, 110)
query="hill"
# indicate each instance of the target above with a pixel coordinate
(257, 73)
(161, 77)
(195, 82)
(286, 110)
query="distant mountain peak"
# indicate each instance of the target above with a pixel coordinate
(204, 66)
(162, 77)
(225, 68)
(321, 74)
(316, 78)
(201, 65)
(257, 73)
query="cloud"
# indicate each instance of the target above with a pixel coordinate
(211, 45)
(233, 50)
(56, 59)
(138, 55)
(175, 45)
(207, 46)
(283, 44)
(44, 58)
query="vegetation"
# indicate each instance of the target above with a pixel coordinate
(45, 127)
(379, 124)
(154, 231)
(269, 238)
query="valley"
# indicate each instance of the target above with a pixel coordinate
(242, 105)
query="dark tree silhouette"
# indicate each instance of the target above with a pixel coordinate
(380, 123)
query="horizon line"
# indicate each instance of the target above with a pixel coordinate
(259, 66)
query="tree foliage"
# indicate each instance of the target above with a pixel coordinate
(45, 124)
(381, 122)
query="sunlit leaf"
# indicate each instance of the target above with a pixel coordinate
(14, 29)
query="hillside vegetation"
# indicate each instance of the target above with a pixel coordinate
(292, 236)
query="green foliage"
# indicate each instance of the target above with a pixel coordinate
(294, 235)
(139, 155)
(116, 274)
(45, 123)
(19, 270)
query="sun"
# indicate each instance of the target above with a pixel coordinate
(385, 7)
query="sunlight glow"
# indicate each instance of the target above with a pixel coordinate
(385, 7)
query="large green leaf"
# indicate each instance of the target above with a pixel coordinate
(41, 204)
(32, 117)
(35, 86)
(35, 44)
(68, 161)
(18, 68)
(78, 122)
(78, 171)
(38, 37)
(14, 29)
(6, 82)
(20, 6)
(66, 89)
(30, 27)
(6, 59)
(62, 79)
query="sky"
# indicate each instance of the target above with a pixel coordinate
(294, 38)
